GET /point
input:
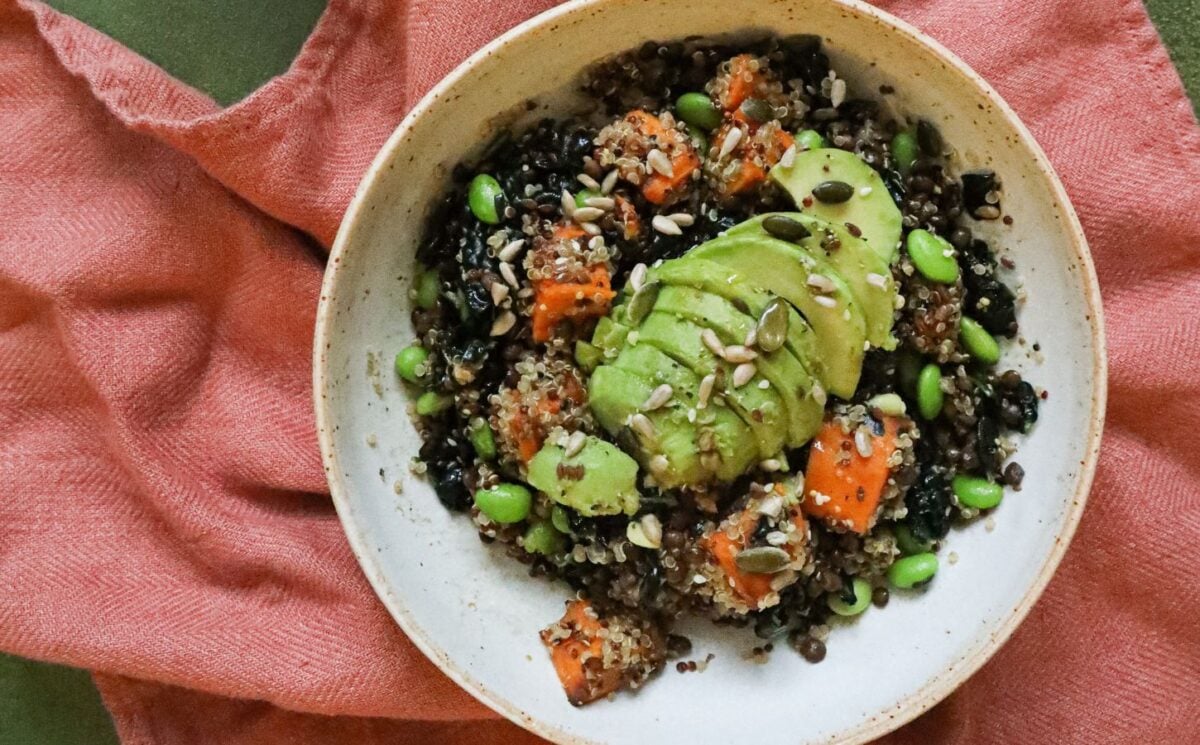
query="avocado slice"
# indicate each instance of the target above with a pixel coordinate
(780, 369)
(867, 274)
(873, 212)
(761, 410)
(733, 442)
(717, 279)
(777, 267)
(615, 395)
(607, 486)
(609, 334)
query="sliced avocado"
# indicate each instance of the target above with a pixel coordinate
(718, 279)
(761, 410)
(615, 395)
(780, 369)
(587, 356)
(734, 444)
(609, 334)
(866, 273)
(777, 267)
(873, 212)
(606, 483)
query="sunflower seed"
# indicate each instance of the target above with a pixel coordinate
(636, 534)
(819, 395)
(587, 214)
(788, 158)
(771, 506)
(682, 219)
(610, 182)
(506, 271)
(837, 92)
(665, 225)
(770, 465)
(658, 398)
(511, 251)
(738, 354)
(710, 340)
(706, 389)
(772, 328)
(776, 538)
(652, 528)
(751, 337)
(568, 203)
(862, 443)
(637, 276)
(821, 283)
(659, 161)
(591, 228)
(575, 444)
(762, 560)
(888, 403)
(641, 424)
(588, 181)
(643, 301)
(877, 280)
(499, 292)
(729, 143)
(504, 323)
(658, 465)
(743, 373)
(825, 301)
(600, 203)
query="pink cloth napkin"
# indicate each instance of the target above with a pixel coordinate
(165, 521)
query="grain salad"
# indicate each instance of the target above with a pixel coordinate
(724, 343)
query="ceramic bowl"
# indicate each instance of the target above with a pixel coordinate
(476, 613)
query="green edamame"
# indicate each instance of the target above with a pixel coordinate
(904, 150)
(929, 392)
(973, 491)
(559, 519)
(809, 139)
(699, 139)
(431, 403)
(583, 195)
(482, 194)
(542, 538)
(908, 543)
(979, 343)
(482, 438)
(862, 599)
(698, 110)
(504, 503)
(911, 571)
(427, 287)
(932, 255)
(412, 364)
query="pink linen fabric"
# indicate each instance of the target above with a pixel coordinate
(166, 522)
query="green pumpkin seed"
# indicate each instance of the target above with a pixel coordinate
(643, 301)
(758, 110)
(785, 228)
(763, 560)
(698, 110)
(772, 328)
(833, 192)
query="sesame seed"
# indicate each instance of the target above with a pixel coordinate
(665, 225)
(731, 141)
(691, 416)
(510, 251)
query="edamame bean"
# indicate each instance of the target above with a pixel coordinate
(504, 503)
(862, 598)
(431, 403)
(904, 150)
(542, 538)
(912, 570)
(698, 110)
(559, 519)
(482, 194)
(979, 343)
(929, 392)
(973, 491)
(699, 139)
(412, 363)
(908, 543)
(482, 438)
(809, 139)
(932, 255)
(427, 287)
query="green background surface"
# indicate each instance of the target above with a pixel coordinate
(228, 48)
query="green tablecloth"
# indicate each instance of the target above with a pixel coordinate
(228, 48)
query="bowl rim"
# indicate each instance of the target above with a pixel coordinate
(908, 708)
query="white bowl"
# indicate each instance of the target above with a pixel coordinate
(476, 614)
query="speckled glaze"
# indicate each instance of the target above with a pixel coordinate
(476, 614)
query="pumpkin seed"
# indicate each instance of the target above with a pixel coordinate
(763, 560)
(643, 301)
(758, 110)
(772, 326)
(785, 228)
(833, 192)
